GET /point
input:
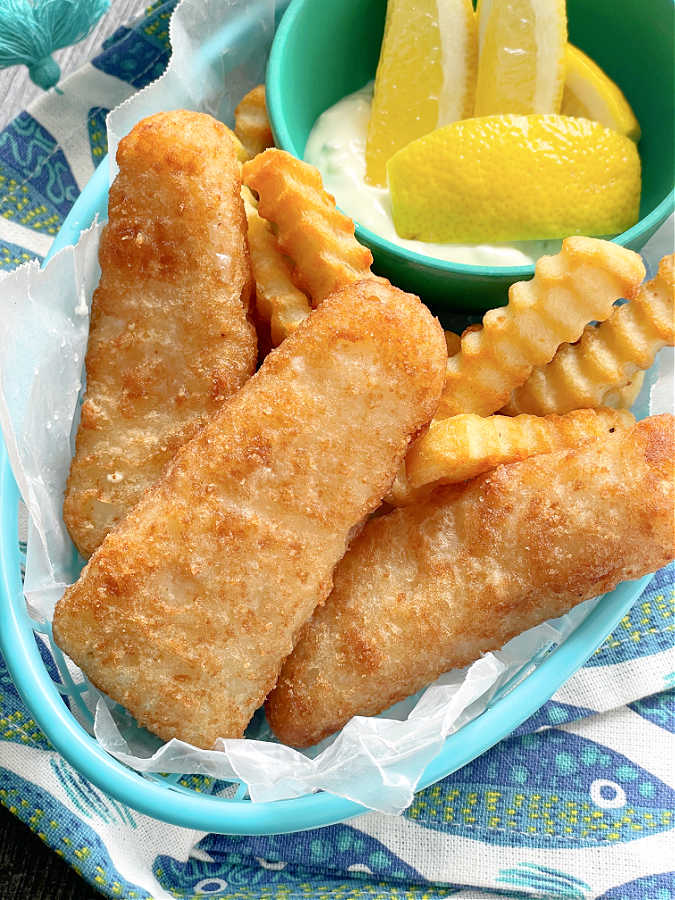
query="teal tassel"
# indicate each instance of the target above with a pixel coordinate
(31, 30)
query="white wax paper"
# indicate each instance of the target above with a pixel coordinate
(219, 52)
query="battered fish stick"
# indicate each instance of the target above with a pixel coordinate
(431, 587)
(186, 611)
(170, 336)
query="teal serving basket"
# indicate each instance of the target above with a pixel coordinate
(52, 695)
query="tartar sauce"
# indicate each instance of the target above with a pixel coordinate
(337, 147)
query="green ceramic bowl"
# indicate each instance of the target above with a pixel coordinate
(325, 49)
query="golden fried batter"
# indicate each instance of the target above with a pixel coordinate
(431, 587)
(186, 611)
(170, 337)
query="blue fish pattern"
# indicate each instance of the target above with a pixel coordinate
(551, 714)
(11, 255)
(71, 837)
(98, 136)
(338, 848)
(37, 187)
(140, 54)
(16, 724)
(650, 887)
(238, 877)
(648, 628)
(550, 789)
(659, 709)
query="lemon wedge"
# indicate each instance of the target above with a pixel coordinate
(591, 94)
(426, 76)
(521, 67)
(506, 178)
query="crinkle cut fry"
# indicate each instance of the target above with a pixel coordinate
(278, 301)
(251, 124)
(453, 342)
(568, 290)
(607, 355)
(463, 446)
(431, 587)
(624, 397)
(311, 230)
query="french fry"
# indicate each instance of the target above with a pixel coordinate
(625, 397)
(278, 301)
(463, 446)
(251, 124)
(453, 342)
(311, 230)
(241, 151)
(568, 290)
(400, 493)
(608, 355)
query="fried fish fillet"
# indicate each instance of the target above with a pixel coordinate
(431, 587)
(170, 336)
(186, 611)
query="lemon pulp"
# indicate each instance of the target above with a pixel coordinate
(591, 94)
(425, 78)
(521, 67)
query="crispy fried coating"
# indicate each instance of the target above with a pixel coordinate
(311, 229)
(186, 611)
(568, 290)
(431, 587)
(170, 336)
(251, 124)
(463, 446)
(607, 355)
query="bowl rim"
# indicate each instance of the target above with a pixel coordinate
(284, 140)
(243, 817)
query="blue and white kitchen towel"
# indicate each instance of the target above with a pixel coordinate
(577, 803)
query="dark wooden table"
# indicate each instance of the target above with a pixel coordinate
(29, 870)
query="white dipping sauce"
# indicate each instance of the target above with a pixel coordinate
(337, 147)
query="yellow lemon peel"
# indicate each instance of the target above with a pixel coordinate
(504, 178)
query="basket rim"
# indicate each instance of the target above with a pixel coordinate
(214, 814)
